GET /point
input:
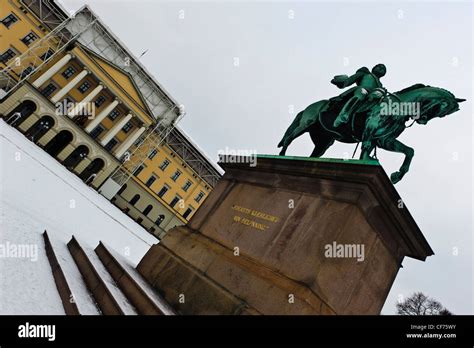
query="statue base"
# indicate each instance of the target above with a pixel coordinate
(291, 235)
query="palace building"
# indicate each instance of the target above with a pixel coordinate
(71, 87)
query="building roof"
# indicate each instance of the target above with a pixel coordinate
(97, 37)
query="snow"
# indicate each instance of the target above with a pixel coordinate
(26, 286)
(37, 193)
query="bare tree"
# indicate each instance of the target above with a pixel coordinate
(420, 304)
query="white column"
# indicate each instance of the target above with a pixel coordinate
(83, 103)
(63, 91)
(98, 119)
(53, 70)
(128, 142)
(115, 129)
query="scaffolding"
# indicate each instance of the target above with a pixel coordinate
(178, 142)
(149, 141)
(171, 136)
(99, 39)
(86, 28)
(42, 51)
(48, 12)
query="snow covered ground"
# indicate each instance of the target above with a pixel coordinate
(37, 193)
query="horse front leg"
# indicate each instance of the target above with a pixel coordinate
(396, 146)
(366, 149)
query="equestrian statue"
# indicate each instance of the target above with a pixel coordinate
(367, 113)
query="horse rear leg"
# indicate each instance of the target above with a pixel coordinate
(322, 140)
(296, 133)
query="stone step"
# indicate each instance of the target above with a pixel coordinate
(135, 288)
(108, 296)
(64, 290)
(74, 294)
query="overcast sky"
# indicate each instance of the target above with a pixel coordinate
(240, 67)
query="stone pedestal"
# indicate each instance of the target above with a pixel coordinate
(291, 235)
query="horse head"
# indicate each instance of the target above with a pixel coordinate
(432, 101)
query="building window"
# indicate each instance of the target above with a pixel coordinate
(7, 55)
(147, 210)
(114, 114)
(138, 170)
(9, 20)
(84, 87)
(96, 132)
(199, 196)
(187, 212)
(164, 164)
(174, 201)
(138, 141)
(187, 185)
(127, 127)
(48, 90)
(135, 199)
(152, 153)
(150, 180)
(163, 190)
(159, 220)
(28, 39)
(46, 55)
(99, 101)
(26, 72)
(69, 72)
(176, 175)
(110, 145)
(123, 188)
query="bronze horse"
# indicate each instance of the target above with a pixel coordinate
(369, 124)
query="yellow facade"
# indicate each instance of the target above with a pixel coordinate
(187, 199)
(113, 80)
(97, 78)
(11, 37)
(26, 23)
